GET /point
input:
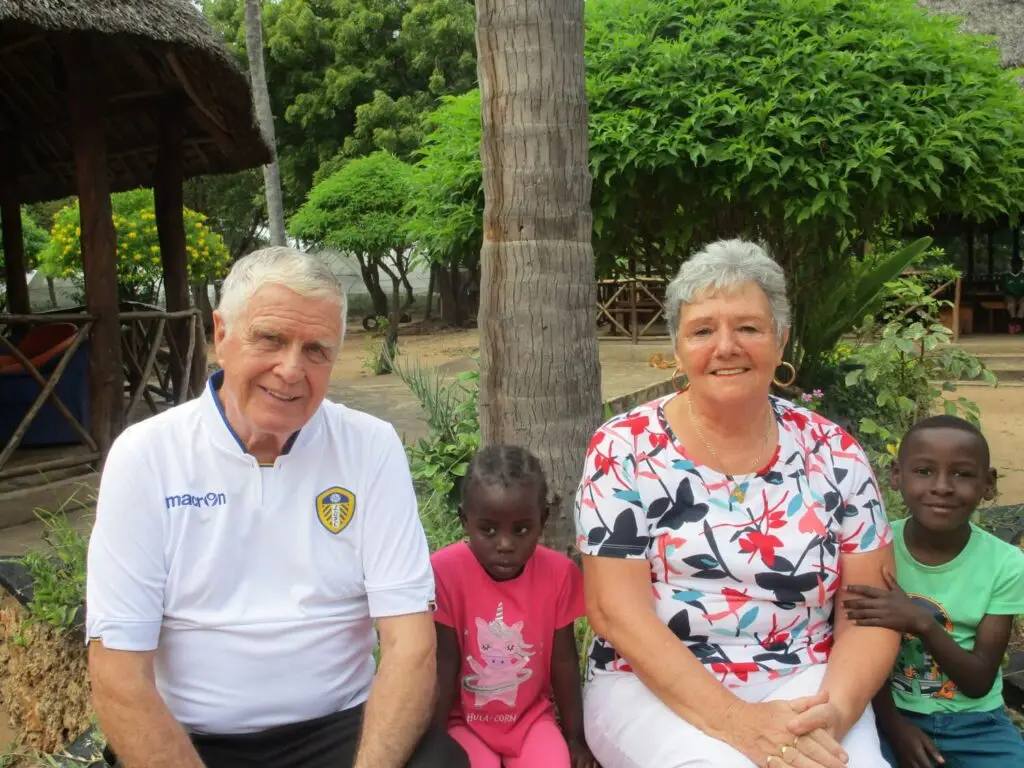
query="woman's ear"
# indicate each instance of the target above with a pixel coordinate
(784, 340)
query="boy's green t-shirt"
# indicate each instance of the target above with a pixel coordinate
(986, 578)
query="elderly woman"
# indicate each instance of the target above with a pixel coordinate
(717, 526)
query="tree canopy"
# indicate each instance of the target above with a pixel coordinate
(803, 123)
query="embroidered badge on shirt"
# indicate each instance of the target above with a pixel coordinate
(335, 508)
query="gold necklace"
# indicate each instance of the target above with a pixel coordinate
(738, 494)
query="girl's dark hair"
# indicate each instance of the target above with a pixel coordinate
(507, 466)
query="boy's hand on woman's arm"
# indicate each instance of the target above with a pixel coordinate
(890, 608)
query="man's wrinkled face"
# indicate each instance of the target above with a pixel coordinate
(277, 359)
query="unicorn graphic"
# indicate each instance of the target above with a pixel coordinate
(505, 657)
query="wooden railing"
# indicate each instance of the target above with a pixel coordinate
(48, 392)
(158, 351)
(636, 298)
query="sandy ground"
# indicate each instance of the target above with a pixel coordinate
(1002, 419)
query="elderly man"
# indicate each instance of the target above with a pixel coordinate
(245, 544)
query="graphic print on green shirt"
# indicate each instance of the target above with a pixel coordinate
(987, 577)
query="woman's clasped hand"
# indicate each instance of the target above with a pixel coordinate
(795, 733)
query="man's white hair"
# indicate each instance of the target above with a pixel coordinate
(278, 265)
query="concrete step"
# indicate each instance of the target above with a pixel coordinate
(19, 504)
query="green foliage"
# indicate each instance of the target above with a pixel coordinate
(902, 367)
(58, 574)
(139, 269)
(447, 201)
(234, 207)
(359, 208)
(857, 289)
(439, 462)
(353, 76)
(35, 239)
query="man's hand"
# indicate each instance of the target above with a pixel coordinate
(912, 746)
(402, 697)
(889, 608)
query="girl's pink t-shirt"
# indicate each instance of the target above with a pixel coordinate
(506, 631)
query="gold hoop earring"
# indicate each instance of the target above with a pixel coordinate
(790, 380)
(675, 383)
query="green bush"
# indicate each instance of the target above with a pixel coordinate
(58, 574)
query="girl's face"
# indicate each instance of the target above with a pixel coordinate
(504, 526)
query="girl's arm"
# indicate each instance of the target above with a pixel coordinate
(448, 664)
(565, 684)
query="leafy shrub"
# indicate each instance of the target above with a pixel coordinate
(58, 574)
(139, 269)
(439, 462)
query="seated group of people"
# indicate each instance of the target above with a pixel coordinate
(750, 600)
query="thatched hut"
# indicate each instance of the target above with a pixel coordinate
(99, 96)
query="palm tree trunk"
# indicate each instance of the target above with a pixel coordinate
(265, 117)
(540, 383)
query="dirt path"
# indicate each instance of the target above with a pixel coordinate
(1002, 418)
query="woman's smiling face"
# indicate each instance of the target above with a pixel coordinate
(727, 345)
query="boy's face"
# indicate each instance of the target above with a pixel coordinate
(943, 474)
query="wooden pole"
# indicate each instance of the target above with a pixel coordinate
(99, 244)
(14, 255)
(168, 198)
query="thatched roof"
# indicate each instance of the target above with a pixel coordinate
(1002, 18)
(144, 54)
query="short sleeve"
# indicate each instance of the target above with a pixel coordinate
(610, 518)
(1008, 595)
(569, 604)
(393, 546)
(865, 526)
(126, 571)
(444, 611)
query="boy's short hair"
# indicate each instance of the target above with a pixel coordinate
(945, 421)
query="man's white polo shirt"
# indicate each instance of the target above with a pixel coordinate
(256, 586)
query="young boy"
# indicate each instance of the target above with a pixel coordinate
(958, 593)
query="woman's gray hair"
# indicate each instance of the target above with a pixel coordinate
(278, 265)
(727, 265)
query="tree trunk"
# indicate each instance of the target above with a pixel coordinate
(430, 290)
(368, 267)
(51, 288)
(540, 383)
(265, 117)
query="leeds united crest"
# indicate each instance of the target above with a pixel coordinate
(335, 508)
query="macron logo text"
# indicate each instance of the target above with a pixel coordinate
(186, 500)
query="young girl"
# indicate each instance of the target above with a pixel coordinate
(505, 613)
(958, 591)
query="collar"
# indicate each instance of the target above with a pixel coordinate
(224, 435)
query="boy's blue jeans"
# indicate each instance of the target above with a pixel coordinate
(968, 739)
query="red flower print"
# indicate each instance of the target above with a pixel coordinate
(604, 463)
(798, 419)
(741, 669)
(823, 646)
(659, 439)
(777, 519)
(637, 424)
(845, 439)
(595, 441)
(761, 543)
(811, 523)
